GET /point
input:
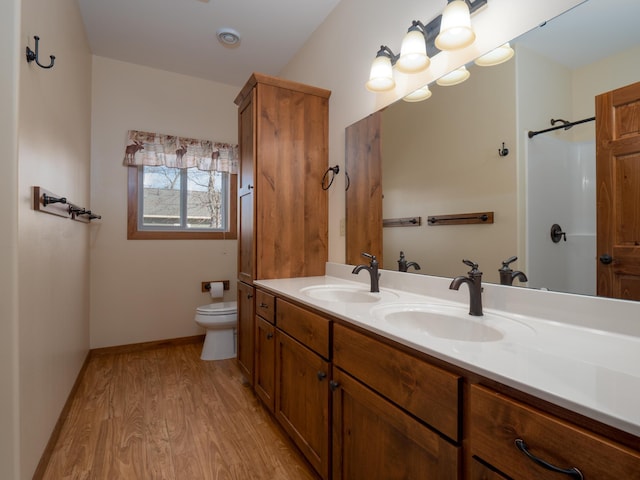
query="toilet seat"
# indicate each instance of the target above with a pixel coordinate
(215, 309)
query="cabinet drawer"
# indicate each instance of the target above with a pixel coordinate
(496, 421)
(310, 329)
(265, 306)
(428, 392)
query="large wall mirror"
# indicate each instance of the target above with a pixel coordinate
(444, 156)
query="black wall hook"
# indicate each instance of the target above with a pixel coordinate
(33, 55)
(503, 152)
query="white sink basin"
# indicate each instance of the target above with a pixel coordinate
(346, 294)
(447, 321)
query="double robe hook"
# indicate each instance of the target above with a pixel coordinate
(33, 55)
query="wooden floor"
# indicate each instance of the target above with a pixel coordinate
(162, 413)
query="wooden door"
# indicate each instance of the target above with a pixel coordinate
(618, 192)
(302, 399)
(246, 237)
(265, 362)
(363, 165)
(373, 439)
(246, 309)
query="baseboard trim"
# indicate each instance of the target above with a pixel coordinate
(55, 434)
(137, 347)
(134, 347)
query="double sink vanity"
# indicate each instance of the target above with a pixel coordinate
(404, 383)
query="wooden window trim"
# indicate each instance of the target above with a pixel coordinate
(132, 216)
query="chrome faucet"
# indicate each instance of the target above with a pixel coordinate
(404, 266)
(474, 282)
(372, 268)
(507, 276)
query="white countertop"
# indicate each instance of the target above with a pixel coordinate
(584, 361)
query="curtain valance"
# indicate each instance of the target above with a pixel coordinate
(153, 149)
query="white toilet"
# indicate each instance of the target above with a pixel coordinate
(220, 321)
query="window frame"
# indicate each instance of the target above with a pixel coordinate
(133, 233)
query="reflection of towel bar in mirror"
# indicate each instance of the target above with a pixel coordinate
(402, 222)
(461, 218)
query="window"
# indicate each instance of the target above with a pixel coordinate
(180, 188)
(181, 203)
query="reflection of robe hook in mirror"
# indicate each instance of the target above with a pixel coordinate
(557, 233)
(33, 55)
(503, 152)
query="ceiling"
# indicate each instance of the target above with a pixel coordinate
(180, 35)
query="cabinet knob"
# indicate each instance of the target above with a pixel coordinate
(269, 336)
(572, 472)
(333, 385)
(263, 305)
(321, 375)
(249, 295)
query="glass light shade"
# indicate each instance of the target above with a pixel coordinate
(413, 53)
(496, 56)
(454, 78)
(455, 28)
(381, 75)
(419, 95)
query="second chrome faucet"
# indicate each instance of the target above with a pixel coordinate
(372, 268)
(474, 282)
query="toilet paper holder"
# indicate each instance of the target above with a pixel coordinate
(206, 287)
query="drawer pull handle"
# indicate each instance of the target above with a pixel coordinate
(263, 305)
(572, 472)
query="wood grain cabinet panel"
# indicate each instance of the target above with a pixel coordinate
(246, 330)
(266, 306)
(265, 362)
(307, 327)
(302, 399)
(426, 391)
(373, 439)
(497, 421)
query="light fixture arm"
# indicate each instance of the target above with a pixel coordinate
(387, 52)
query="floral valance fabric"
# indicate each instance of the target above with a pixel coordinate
(153, 149)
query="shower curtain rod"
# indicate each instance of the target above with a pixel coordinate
(566, 125)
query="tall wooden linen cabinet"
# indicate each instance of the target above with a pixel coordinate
(283, 210)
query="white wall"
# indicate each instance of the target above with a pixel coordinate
(9, 377)
(144, 290)
(53, 254)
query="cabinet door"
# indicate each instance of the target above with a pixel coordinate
(246, 135)
(246, 327)
(302, 399)
(373, 439)
(265, 362)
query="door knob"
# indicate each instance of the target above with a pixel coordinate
(605, 259)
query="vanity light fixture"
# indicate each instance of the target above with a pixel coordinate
(454, 78)
(496, 56)
(455, 29)
(419, 95)
(449, 31)
(381, 75)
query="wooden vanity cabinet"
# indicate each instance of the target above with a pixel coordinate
(265, 348)
(497, 421)
(302, 381)
(246, 330)
(388, 407)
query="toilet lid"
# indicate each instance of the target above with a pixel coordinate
(222, 308)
